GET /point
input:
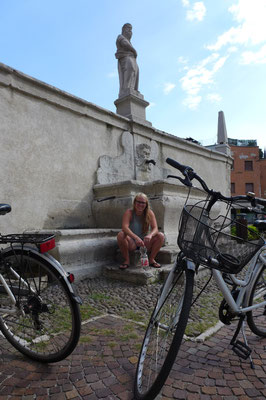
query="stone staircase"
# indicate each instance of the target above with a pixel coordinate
(143, 276)
(89, 253)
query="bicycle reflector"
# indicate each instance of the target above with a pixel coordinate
(71, 278)
(46, 246)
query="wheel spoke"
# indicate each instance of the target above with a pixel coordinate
(46, 325)
(164, 335)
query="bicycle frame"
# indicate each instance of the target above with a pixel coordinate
(240, 305)
(9, 292)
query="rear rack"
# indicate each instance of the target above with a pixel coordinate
(35, 238)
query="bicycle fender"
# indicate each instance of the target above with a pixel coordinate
(51, 260)
(256, 272)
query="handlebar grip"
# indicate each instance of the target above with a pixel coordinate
(177, 165)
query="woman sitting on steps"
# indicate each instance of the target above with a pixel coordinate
(139, 228)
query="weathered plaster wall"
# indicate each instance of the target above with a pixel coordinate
(51, 142)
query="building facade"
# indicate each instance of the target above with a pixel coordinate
(246, 168)
(263, 177)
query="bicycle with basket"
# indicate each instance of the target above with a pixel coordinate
(39, 309)
(205, 238)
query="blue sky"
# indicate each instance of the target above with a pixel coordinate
(195, 57)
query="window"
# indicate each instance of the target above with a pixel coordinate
(248, 165)
(233, 188)
(249, 187)
(233, 164)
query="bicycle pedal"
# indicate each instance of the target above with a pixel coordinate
(241, 349)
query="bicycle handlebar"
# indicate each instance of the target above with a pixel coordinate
(177, 165)
(189, 174)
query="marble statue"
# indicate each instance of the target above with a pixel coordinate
(126, 55)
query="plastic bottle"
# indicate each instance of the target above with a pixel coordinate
(144, 261)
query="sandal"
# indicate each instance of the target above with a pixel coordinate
(155, 265)
(123, 266)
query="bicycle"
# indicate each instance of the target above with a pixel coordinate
(39, 310)
(206, 239)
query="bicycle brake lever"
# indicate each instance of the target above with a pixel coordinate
(185, 181)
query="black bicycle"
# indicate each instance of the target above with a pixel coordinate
(39, 310)
(208, 235)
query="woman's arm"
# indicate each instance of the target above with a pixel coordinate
(153, 224)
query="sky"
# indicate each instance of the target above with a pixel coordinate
(196, 58)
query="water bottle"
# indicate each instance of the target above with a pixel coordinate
(144, 261)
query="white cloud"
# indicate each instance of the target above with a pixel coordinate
(196, 12)
(192, 102)
(168, 87)
(254, 57)
(185, 3)
(247, 35)
(200, 75)
(219, 64)
(232, 49)
(214, 97)
(251, 28)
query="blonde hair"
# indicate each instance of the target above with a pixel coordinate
(146, 212)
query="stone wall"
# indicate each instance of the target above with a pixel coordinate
(55, 147)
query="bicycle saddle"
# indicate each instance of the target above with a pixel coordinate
(4, 209)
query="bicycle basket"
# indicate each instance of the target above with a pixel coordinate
(203, 238)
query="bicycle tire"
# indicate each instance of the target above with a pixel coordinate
(257, 318)
(153, 368)
(46, 323)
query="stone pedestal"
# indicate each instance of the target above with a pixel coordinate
(133, 106)
(166, 200)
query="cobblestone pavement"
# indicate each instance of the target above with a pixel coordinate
(103, 367)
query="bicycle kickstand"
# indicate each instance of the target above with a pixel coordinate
(241, 348)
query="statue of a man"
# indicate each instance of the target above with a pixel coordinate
(127, 64)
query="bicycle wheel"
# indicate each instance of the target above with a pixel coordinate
(257, 318)
(164, 334)
(44, 323)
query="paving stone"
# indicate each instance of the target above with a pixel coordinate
(179, 394)
(202, 371)
(57, 396)
(193, 396)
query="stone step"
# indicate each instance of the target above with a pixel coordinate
(84, 252)
(143, 276)
(167, 255)
(137, 274)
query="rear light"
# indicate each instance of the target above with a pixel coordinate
(71, 278)
(44, 247)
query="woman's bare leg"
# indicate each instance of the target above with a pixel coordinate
(155, 245)
(126, 244)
